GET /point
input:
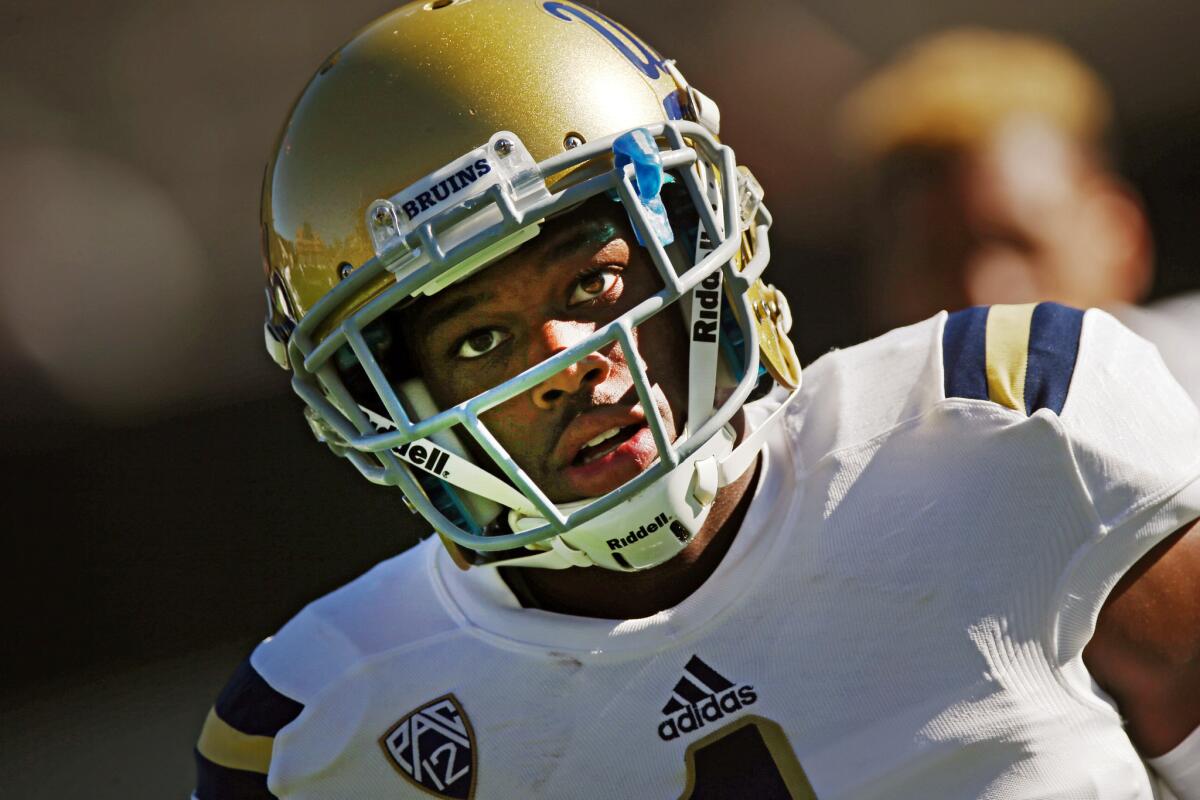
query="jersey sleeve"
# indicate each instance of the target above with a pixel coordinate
(1134, 436)
(1131, 432)
(1134, 432)
(233, 754)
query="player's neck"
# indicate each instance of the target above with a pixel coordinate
(596, 592)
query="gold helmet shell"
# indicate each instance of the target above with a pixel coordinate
(419, 87)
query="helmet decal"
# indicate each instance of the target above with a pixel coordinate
(646, 59)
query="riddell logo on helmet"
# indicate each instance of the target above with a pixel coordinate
(709, 296)
(431, 459)
(444, 190)
(661, 521)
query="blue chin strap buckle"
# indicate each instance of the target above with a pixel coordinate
(638, 148)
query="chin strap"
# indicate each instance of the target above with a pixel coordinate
(738, 461)
(561, 555)
(711, 475)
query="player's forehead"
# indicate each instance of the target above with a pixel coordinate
(561, 240)
(561, 245)
(594, 222)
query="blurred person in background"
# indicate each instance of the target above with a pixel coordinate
(987, 157)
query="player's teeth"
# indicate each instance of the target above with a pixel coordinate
(600, 453)
(608, 434)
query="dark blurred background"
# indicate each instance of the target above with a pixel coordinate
(165, 505)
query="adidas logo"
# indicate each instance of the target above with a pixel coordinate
(701, 696)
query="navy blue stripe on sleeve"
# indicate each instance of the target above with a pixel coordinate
(964, 353)
(214, 782)
(249, 704)
(1053, 347)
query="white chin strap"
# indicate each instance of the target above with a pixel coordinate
(654, 525)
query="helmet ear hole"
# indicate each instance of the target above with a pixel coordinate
(385, 339)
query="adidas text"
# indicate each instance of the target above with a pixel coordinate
(697, 715)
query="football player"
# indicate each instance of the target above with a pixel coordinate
(514, 273)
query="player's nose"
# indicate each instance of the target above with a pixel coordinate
(588, 372)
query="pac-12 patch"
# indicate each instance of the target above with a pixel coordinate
(433, 747)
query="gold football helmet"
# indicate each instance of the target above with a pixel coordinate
(437, 141)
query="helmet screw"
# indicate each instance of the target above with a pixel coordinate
(572, 141)
(344, 270)
(503, 146)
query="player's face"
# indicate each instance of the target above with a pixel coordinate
(581, 432)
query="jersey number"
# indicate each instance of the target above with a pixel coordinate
(750, 757)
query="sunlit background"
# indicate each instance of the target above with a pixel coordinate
(165, 505)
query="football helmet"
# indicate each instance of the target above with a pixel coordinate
(438, 141)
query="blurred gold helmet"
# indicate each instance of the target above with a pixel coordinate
(437, 141)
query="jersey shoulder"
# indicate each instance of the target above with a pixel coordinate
(1021, 357)
(395, 604)
(855, 394)
(391, 606)
(1098, 385)
(1132, 431)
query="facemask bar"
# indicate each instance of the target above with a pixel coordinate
(371, 450)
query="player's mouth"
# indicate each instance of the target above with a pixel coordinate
(604, 448)
(604, 443)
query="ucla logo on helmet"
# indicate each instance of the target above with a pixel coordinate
(433, 747)
(640, 54)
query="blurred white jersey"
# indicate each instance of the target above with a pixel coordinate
(1173, 326)
(902, 614)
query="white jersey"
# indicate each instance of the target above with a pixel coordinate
(1173, 326)
(901, 615)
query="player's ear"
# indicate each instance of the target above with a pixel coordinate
(1116, 222)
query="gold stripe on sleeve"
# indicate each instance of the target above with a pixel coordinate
(222, 744)
(1007, 348)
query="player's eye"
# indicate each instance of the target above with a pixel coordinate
(594, 285)
(480, 342)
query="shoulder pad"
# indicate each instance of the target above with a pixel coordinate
(1019, 356)
(233, 754)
